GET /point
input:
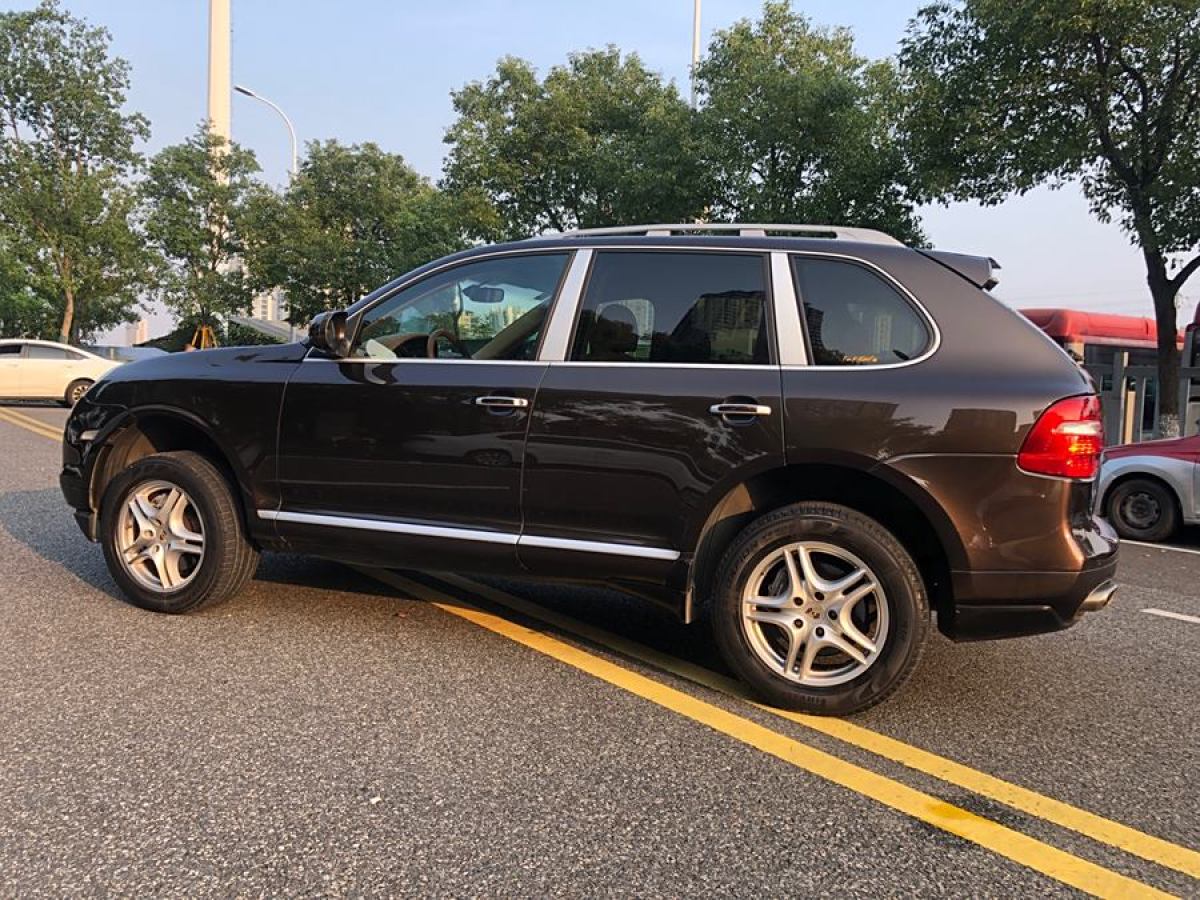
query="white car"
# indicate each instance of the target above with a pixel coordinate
(44, 370)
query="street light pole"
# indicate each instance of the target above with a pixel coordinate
(242, 89)
(695, 47)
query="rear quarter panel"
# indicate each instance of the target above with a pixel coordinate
(948, 427)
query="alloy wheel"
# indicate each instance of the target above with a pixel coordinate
(160, 536)
(815, 614)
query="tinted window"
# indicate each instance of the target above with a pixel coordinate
(674, 307)
(492, 309)
(10, 349)
(37, 351)
(854, 317)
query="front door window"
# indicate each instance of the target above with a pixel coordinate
(493, 309)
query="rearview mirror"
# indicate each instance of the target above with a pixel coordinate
(477, 293)
(327, 333)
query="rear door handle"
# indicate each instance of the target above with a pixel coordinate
(739, 410)
(497, 402)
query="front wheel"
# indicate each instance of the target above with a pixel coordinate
(75, 391)
(820, 609)
(1143, 510)
(172, 533)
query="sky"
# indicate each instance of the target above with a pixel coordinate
(383, 70)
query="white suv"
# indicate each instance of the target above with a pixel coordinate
(44, 370)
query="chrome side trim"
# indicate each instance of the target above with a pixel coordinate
(533, 540)
(367, 360)
(583, 364)
(469, 534)
(391, 527)
(556, 343)
(789, 330)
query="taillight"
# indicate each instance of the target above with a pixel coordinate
(1066, 440)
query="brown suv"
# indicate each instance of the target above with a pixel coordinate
(815, 434)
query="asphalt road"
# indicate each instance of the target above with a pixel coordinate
(330, 733)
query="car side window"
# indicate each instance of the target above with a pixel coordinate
(674, 307)
(37, 351)
(10, 349)
(486, 310)
(854, 317)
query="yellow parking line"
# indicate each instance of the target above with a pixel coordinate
(1054, 811)
(12, 417)
(1020, 848)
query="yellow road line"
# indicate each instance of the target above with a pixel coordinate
(1020, 848)
(12, 417)
(1054, 811)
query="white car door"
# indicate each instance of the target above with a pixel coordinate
(45, 373)
(10, 370)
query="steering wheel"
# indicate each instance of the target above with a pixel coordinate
(431, 343)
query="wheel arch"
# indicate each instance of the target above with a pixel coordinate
(147, 430)
(911, 515)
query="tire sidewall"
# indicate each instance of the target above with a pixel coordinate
(908, 613)
(164, 468)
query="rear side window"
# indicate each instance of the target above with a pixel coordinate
(10, 349)
(854, 317)
(663, 307)
(37, 351)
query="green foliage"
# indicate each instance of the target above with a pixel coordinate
(601, 141)
(66, 149)
(22, 312)
(1006, 95)
(354, 218)
(797, 127)
(196, 195)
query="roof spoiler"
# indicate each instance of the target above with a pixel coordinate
(981, 271)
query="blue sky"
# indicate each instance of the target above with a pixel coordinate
(360, 70)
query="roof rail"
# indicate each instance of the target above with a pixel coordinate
(842, 232)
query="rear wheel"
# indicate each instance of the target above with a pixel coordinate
(819, 608)
(172, 534)
(75, 391)
(1142, 509)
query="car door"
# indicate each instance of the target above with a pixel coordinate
(44, 371)
(668, 397)
(409, 451)
(10, 370)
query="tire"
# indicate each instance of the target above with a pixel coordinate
(1143, 509)
(178, 580)
(75, 390)
(827, 543)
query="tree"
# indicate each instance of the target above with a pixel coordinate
(601, 141)
(196, 194)
(23, 313)
(1005, 96)
(796, 127)
(66, 150)
(352, 219)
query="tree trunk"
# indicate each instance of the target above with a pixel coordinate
(64, 332)
(1163, 292)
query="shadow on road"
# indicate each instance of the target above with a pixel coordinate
(42, 521)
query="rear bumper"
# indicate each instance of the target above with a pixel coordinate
(990, 605)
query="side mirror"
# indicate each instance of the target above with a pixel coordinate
(327, 332)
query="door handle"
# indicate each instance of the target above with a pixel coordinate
(739, 410)
(502, 402)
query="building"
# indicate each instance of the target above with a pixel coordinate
(270, 306)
